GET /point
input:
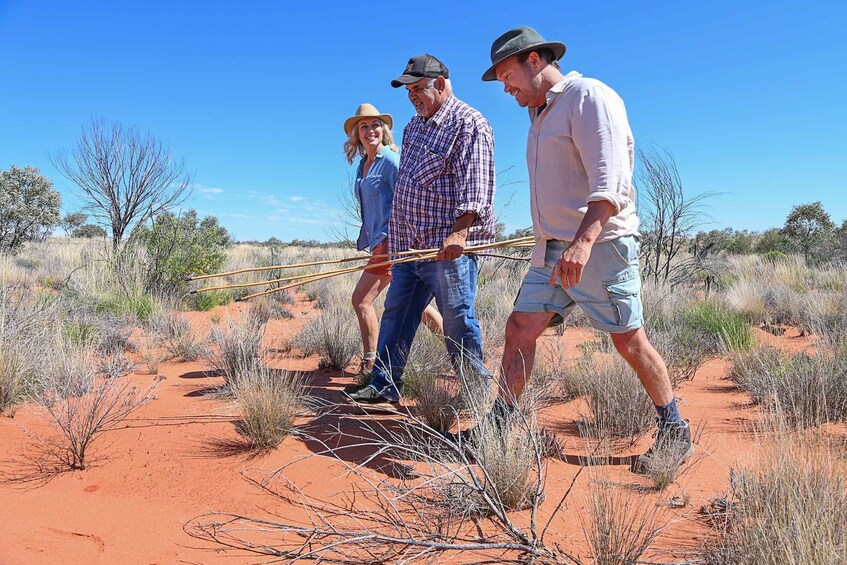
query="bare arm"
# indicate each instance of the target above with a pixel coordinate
(573, 260)
(454, 244)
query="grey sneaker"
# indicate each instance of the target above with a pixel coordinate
(673, 445)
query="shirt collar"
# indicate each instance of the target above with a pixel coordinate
(444, 111)
(560, 86)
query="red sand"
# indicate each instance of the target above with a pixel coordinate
(173, 460)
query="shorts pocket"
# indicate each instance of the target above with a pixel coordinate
(625, 249)
(625, 296)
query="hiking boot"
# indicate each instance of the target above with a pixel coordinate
(367, 395)
(673, 445)
(362, 380)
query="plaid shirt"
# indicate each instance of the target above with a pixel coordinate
(446, 170)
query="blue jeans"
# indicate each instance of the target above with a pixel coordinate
(453, 284)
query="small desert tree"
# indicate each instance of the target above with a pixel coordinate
(29, 207)
(668, 216)
(126, 176)
(809, 228)
(179, 246)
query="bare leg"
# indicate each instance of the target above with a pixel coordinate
(522, 331)
(647, 363)
(367, 289)
(432, 319)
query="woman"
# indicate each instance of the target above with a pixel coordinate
(369, 137)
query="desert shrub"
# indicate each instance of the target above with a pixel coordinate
(265, 308)
(80, 407)
(723, 328)
(139, 306)
(334, 335)
(25, 325)
(790, 507)
(775, 256)
(172, 333)
(236, 346)
(824, 313)
(808, 389)
(619, 530)
(551, 380)
(618, 404)
(269, 402)
(179, 246)
(114, 366)
(205, 301)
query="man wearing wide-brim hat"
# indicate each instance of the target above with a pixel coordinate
(580, 159)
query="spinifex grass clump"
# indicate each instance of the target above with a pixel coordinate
(790, 507)
(620, 528)
(334, 335)
(236, 346)
(172, 333)
(720, 326)
(618, 403)
(269, 402)
(807, 389)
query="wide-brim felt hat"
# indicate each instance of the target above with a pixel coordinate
(519, 40)
(367, 111)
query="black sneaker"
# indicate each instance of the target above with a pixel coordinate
(367, 395)
(672, 441)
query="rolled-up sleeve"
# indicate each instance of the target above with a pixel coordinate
(473, 165)
(602, 136)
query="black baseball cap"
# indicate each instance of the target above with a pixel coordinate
(421, 66)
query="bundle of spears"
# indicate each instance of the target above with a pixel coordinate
(394, 258)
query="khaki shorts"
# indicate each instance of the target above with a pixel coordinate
(609, 291)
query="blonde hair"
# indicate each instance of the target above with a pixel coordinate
(353, 147)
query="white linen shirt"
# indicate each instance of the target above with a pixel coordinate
(580, 149)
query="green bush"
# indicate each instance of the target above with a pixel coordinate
(205, 301)
(179, 246)
(140, 306)
(720, 326)
(775, 256)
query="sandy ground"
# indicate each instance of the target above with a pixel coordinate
(180, 456)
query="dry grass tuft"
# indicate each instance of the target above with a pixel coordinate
(620, 530)
(269, 402)
(807, 389)
(618, 404)
(790, 508)
(236, 346)
(173, 334)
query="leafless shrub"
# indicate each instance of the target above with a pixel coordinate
(269, 402)
(174, 335)
(114, 366)
(790, 507)
(334, 335)
(81, 406)
(620, 530)
(150, 355)
(115, 339)
(451, 504)
(617, 401)
(808, 389)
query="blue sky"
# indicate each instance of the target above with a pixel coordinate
(747, 95)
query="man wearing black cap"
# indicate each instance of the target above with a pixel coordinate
(443, 200)
(580, 159)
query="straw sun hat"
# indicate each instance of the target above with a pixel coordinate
(366, 111)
